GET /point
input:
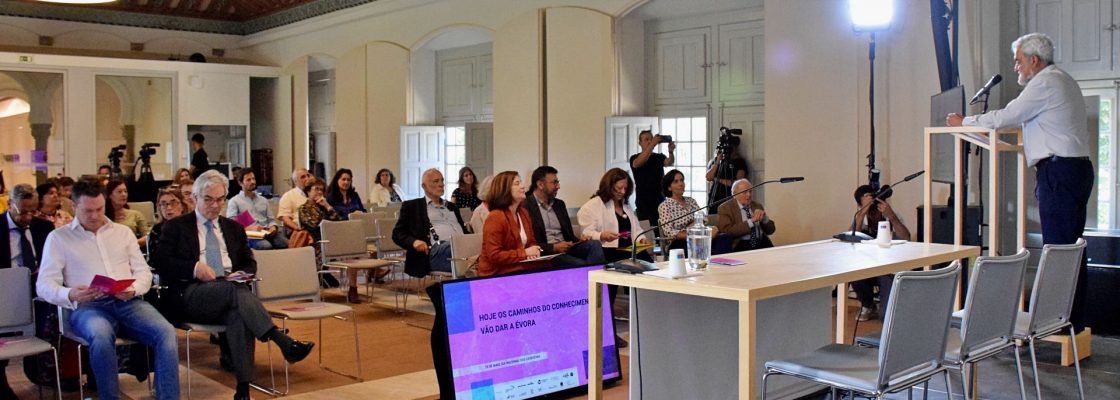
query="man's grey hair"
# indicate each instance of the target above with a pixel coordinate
(208, 179)
(1035, 44)
(21, 192)
(295, 175)
(737, 183)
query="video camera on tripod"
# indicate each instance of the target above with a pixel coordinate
(115, 155)
(728, 139)
(147, 150)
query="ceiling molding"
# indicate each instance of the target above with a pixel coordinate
(170, 21)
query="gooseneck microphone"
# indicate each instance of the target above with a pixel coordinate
(986, 89)
(884, 192)
(636, 266)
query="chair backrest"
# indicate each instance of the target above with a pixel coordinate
(368, 220)
(917, 323)
(462, 247)
(274, 206)
(343, 240)
(1054, 285)
(145, 208)
(16, 314)
(466, 213)
(287, 274)
(384, 235)
(992, 303)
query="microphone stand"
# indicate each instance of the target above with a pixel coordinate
(857, 237)
(635, 266)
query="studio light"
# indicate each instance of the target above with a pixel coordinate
(871, 15)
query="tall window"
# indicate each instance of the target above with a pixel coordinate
(456, 157)
(691, 137)
(1104, 166)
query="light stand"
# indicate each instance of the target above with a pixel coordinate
(871, 16)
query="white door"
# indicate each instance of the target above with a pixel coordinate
(484, 84)
(480, 148)
(622, 139)
(1083, 41)
(681, 66)
(422, 147)
(741, 62)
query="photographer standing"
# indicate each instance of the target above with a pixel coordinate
(649, 169)
(725, 169)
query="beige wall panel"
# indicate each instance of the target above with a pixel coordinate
(350, 117)
(517, 94)
(387, 104)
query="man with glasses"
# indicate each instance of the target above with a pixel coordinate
(552, 227)
(200, 259)
(425, 228)
(248, 201)
(26, 237)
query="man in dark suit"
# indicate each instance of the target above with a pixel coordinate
(425, 227)
(199, 257)
(552, 228)
(26, 236)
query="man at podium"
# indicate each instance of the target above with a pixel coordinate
(1055, 141)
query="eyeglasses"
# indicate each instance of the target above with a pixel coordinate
(211, 200)
(172, 203)
(26, 213)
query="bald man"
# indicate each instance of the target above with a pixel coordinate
(425, 228)
(288, 213)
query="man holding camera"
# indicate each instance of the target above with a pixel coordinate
(726, 167)
(874, 208)
(649, 168)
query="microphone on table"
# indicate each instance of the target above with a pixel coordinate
(884, 192)
(987, 88)
(636, 266)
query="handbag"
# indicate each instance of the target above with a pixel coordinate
(300, 238)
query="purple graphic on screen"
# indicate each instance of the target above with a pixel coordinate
(523, 336)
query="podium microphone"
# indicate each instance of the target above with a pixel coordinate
(883, 193)
(987, 88)
(636, 266)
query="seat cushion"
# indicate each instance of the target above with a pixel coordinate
(16, 347)
(359, 264)
(952, 345)
(306, 311)
(842, 365)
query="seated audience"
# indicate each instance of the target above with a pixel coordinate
(249, 201)
(552, 228)
(676, 205)
(342, 196)
(116, 191)
(169, 205)
(288, 212)
(182, 176)
(870, 212)
(196, 254)
(385, 189)
(92, 245)
(425, 228)
(745, 220)
(478, 217)
(50, 208)
(608, 217)
(65, 184)
(507, 235)
(26, 236)
(466, 193)
(316, 209)
(185, 191)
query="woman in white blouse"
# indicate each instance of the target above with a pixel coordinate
(385, 189)
(608, 216)
(676, 205)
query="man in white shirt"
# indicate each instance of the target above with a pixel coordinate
(1052, 114)
(288, 213)
(257, 207)
(92, 245)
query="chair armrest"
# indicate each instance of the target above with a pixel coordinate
(324, 241)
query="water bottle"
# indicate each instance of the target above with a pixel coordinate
(699, 243)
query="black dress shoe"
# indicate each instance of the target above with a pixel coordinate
(297, 351)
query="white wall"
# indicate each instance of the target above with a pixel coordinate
(158, 43)
(518, 114)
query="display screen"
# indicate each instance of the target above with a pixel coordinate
(524, 335)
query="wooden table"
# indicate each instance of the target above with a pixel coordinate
(776, 273)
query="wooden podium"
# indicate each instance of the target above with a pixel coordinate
(990, 140)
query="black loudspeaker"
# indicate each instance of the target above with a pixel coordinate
(943, 225)
(1101, 304)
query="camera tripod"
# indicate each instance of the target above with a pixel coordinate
(724, 170)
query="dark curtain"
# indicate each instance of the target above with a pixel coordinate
(944, 16)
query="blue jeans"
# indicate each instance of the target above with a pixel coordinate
(439, 255)
(97, 322)
(277, 241)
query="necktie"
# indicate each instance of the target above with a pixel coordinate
(213, 250)
(26, 254)
(754, 229)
